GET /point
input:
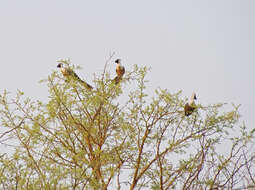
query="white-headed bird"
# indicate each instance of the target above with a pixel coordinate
(190, 107)
(69, 73)
(120, 71)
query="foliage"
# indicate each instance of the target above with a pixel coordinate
(120, 137)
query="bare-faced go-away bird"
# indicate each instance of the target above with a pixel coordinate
(190, 107)
(69, 73)
(120, 71)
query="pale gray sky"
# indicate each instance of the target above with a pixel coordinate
(205, 46)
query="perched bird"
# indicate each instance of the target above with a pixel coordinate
(190, 107)
(120, 71)
(69, 73)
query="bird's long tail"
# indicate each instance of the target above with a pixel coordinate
(88, 86)
(117, 79)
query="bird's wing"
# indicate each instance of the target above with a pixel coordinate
(123, 70)
(188, 109)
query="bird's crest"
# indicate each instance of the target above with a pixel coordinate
(194, 97)
(60, 65)
(118, 61)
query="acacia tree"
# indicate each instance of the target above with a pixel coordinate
(119, 137)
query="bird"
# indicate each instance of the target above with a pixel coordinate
(190, 106)
(69, 73)
(120, 71)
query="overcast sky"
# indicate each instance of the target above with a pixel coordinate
(206, 46)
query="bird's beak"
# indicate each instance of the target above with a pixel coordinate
(59, 65)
